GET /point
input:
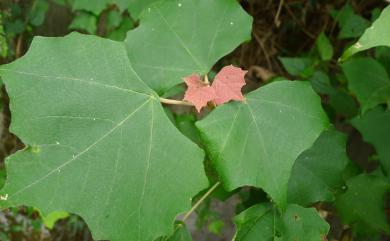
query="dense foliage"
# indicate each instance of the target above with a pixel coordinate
(101, 141)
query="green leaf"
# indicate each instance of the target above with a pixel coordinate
(324, 47)
(353, 27)
(377, 35)
(363, 204)
(136, 7)
(3, 40)
(343, 103)
(96, 7)
(262, 223)
(317, 173)
(368, 80)
(321, 83)
(181, 233)
(98, 141)
(119, 34)
(374, 125)
(300, 66)
(186, 37)
(256, 143)
(38, 12)
(50, 219)
(84, 21)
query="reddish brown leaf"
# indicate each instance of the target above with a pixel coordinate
(228, 83)
(198, 92)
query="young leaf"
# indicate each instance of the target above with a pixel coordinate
(317, 173)
(374, 125)
(377, 35)
(324, 47)
(198, 92)
(84, 21)
(98, 141)
(363, 204)
(256, 143)
(186, 37)
(228, 83)
(262, 222)
(368, 80)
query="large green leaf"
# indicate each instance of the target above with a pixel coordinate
(375, 128)
(256, 143)
(363, 204)
(98, 141)
(185, 37)
(317, 173)
(262, 222)
(376, 35)
(368, 79)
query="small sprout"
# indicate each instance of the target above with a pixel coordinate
(179, 5)
(231, 23)
(57, 142)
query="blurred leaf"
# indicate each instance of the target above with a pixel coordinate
(114, 19)
(262, 223)
(377, 35)
(84, 21)
(374, 125)
(300, 66)
(368, 80)
(382, 54)
(321, 83)
(354, 27)
(324, 47)
(119, 34)
(3, 41)
(216, 227)
(363, 204)
(318, 172)
(343, 103)
(38, 11)
(14, 28)
(181, 233)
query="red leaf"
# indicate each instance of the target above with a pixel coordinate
(198, 92)
(228, 83)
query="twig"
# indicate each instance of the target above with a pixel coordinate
(276, 20)
(175, 102)
(200, 201)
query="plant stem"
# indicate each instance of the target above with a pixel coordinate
(200, 201)
(175, 102)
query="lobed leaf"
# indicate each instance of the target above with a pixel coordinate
(98, 141)
(186, 37)
(256, 143)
